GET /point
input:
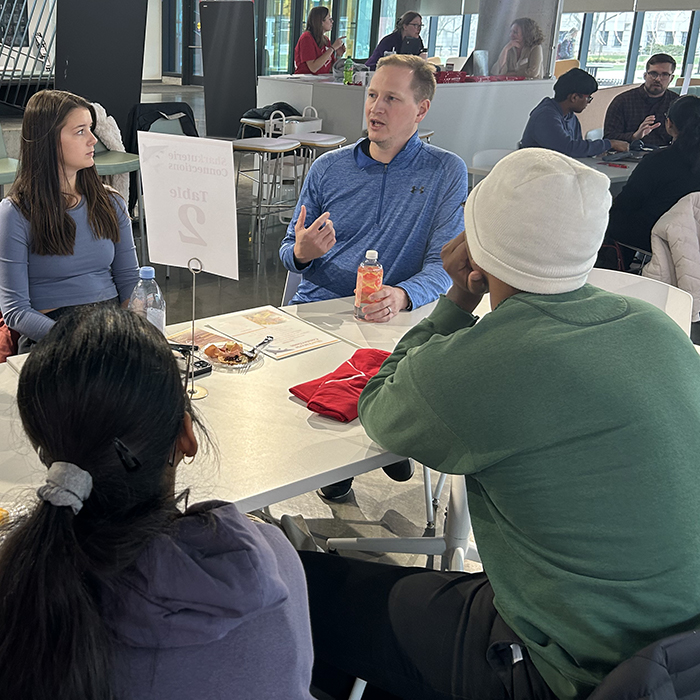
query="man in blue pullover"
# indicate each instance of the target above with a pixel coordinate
(553, 124)
(389, 192)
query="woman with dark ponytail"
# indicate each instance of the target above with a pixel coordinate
(107, 590)
(660, 180)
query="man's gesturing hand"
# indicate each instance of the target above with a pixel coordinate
(315, 241)
(468, 285)
(647, 126)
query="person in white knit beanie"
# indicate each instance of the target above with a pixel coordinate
(537, 221)
(572, 414)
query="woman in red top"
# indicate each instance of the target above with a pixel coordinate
(314, 52)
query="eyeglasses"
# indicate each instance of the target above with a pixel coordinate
(413, 24)
(664, 76)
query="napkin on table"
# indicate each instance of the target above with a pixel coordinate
(336, 394)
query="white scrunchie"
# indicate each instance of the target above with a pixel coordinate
(66, 485)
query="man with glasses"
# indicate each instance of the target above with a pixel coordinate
(553, 123)
(639, 113)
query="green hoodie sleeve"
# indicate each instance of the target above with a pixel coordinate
(395, 406)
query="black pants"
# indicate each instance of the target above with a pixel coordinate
(412, 633)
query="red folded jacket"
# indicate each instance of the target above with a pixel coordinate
(336, 394)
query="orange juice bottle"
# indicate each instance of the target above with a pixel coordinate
(369, 280)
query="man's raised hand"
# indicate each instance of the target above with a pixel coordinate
(315, 241)
(646, 127)
(468, 284)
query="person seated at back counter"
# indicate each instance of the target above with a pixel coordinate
(389, 192)
(553, 124)
(522, 55)
(407, 26)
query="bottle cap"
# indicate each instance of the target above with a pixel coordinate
(372, 255)
(147, 273)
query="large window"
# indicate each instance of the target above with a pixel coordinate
(355, 22)
(197, 68)
(569, 39)
(387, 19)
(473, 25)
(277, 37)
(663, 32)
(308, 4)
(449, 36)
(610, 40)
(172, 37)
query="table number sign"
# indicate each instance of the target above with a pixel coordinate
(190, 201)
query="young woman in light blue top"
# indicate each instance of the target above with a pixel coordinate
(65, 239)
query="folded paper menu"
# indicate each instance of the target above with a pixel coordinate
(291, 335)
(202, 337)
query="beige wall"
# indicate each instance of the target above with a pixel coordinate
(593, 116)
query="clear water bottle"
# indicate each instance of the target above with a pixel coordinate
(369, 280)
(147, 299)
(348, 71)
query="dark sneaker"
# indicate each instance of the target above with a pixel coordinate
(337, 493)
(399, 471)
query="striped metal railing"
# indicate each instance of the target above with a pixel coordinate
(27, 49)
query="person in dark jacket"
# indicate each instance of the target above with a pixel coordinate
(107, 590)
(408, 25)
(660, 180)
(553, 124)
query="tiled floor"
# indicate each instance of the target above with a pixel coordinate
(380, 507)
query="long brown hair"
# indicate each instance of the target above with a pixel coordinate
(314, 24)
(37, 188)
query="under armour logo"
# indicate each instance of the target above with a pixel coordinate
(414, 188)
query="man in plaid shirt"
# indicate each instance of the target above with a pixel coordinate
(640, 113)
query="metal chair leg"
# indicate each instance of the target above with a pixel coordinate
(257, 221)
(357, 689)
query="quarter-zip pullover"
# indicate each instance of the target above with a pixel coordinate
(406, 210)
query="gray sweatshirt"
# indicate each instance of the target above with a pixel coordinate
(217, 610)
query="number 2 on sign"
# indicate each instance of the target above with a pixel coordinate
(183, 213)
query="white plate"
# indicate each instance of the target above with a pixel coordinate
(237, 368)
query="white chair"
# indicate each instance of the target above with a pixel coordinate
(425, 134)
(673, 301)
(594, 134)
(489, 157)
(290, 287)
(485, 160)
(457, 62)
